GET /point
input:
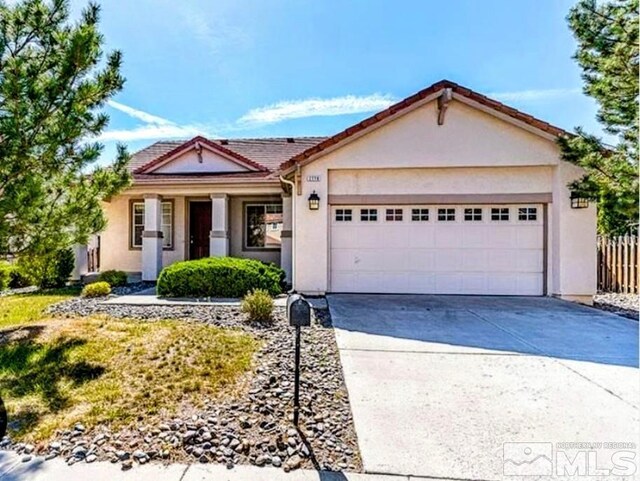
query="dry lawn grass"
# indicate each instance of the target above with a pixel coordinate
(101, 370)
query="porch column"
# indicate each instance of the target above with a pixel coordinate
(80, 264)
(219, 238)
(286, 244)
(152, 238)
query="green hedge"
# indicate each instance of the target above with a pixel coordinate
(219, 277)
(113, 278)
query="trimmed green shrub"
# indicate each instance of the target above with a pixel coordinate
(5, 275)
(114, 278)
(218, 277)
(51, 269)
(258, 305)
(96, 289)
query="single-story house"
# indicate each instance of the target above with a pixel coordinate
(445, 192)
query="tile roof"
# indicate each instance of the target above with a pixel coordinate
(421, 95)
(266, 152)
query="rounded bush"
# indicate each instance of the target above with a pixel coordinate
(258, 305)
(96, 289)
(218, 277)
(114, 278)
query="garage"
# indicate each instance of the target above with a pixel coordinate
(438, 249)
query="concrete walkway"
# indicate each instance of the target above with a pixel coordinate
(439, 384)
(13, 469)
(148, 297)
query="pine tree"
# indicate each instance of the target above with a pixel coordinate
(54, 82)
(607, 35)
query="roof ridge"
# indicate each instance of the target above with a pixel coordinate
(412, 99)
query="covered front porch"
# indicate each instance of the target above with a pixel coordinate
(150, 230)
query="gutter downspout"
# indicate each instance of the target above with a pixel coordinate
(293, 221)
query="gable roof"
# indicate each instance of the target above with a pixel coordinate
(265, 154)
(403, 105)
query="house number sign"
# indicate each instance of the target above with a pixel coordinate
(313, 178)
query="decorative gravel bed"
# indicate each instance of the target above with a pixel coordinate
(253, 427)
(626, 305)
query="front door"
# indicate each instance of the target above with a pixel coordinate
(199, 229)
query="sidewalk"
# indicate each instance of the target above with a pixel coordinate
(13, 469)
(148, 297)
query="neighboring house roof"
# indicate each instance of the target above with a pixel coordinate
(264, 155)
(194, 142)
(399, 107)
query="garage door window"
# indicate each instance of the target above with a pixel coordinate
(394, 215)
(500, 213)
(527, 213)
(368, 215)
(419, 215)
(473, 215)
(446, 215)
(343, 215)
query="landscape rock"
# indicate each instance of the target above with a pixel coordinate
(251, 426)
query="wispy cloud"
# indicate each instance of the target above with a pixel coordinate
(316, 107)
(154, 127)
(533, 95)
(139, 114)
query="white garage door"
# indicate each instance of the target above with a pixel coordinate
(441, 249)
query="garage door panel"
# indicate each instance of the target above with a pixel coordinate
(475, 260)
(503, 237)
(421, 260)
(474, 236)
(447, 260)
(477, 255)
(448, 235)
(529, 236)
(529, 260)
(421, 235)
(447, 283)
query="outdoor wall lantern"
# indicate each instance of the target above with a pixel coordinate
(314, 201)
(578, 201)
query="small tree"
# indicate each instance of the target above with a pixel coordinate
(607, 35)
(52, 91)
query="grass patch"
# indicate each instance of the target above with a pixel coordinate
(99, 370)
(21, 309)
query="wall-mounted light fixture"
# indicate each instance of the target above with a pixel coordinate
(578, 201)
(314, 201)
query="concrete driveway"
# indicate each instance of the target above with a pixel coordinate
(439, 383)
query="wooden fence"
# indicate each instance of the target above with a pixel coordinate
(618, 264)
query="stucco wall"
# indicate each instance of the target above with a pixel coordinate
(472, 153)
(237, 226)
(115, 251)
(189, 162)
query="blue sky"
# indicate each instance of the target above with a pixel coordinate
(247, 68)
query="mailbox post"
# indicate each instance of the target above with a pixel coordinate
(299, 314)
(3, 419)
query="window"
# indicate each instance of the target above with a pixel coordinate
(394, 215)
(419, 215)
(474, 214)
(263, 226)
(368, 215)
(527, 213)
(343, 215)
(446, 215)
(166, 224)
(500, 213)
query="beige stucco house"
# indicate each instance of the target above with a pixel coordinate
(445, 192)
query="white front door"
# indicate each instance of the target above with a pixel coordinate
(437, 249)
